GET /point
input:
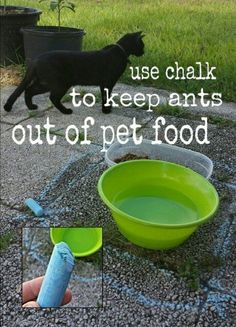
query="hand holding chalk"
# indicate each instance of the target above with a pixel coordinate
(57, 277)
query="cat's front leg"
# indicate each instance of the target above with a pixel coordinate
(55, 97)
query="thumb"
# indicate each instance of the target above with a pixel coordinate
(31, 304)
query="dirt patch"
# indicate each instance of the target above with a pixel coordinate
(11, 11)
(11, 75)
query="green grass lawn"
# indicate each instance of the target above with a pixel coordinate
(183, 30)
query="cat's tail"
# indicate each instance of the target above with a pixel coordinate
(20, 89)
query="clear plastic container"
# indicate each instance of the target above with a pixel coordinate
(166, 152)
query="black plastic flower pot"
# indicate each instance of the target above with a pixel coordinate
(41, 39)
(12, 19)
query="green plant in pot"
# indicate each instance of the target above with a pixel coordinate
(12, 19)
(58, 6)
(41, 39)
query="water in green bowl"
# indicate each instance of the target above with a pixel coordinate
(159, 205)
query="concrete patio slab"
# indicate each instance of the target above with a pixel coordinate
(141, 287)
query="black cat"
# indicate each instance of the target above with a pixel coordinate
(57, 71)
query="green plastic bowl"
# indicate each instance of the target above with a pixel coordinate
(157, 204)
(82, 241)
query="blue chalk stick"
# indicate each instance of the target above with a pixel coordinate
(57, 277)
(34, 206)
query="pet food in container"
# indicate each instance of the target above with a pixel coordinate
(146, 150)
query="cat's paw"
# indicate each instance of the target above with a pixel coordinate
(106, 110)
(33, 107)
(7, 107)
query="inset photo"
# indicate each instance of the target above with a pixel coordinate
(62, 266)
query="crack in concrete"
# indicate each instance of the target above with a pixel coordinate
(13, 206)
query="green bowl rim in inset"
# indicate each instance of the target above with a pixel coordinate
(84, 254)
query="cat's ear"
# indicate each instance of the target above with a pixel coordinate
(140, 34)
